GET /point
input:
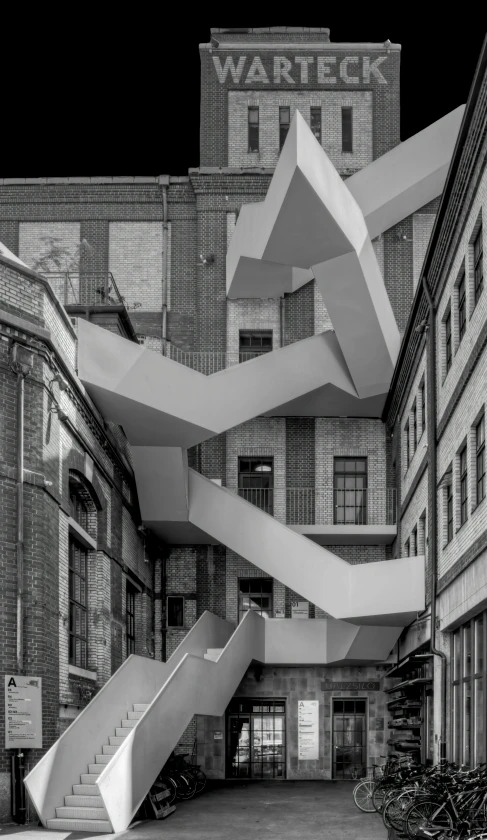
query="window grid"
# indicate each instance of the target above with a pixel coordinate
(315, 122)
(448, 353)
(415, 426)
(253, 128)
(480, 460)
(284, 122)
(78, 604)
(130, 617)
(256, 482)
(449, 512)
(255, 594)
(478, 264)
(408, 448)
(422, 396)
(462, 307)
(350, 491)
(463, 486)
(469, 708)
(78, 508)
(256, 738)
(175, 611)
(253, 343)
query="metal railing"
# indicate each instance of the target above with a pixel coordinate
(310, 506)
(261, 497)
(86, 289)
(208, 362)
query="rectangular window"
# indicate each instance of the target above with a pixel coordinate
(255, 594)
(462, 308)
(449, 512)
(130, 594)
(406, 441)
(78, 604)
(422, 397)
(480, 460)
(253, 343)
(448, 354)
(175, 611)
(415, 426)
(256, 738)
(315, 121)
(284, 123)
(478, 264)
(350, 491)
(463, 486)
(469, 700)
(414, 542)
(347, 129)
(256, 482)
(253, 128)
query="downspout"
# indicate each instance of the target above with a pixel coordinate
(164, 182)
(433, 537)
(282, 315)
(20, 522)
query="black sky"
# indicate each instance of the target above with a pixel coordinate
(132, 104)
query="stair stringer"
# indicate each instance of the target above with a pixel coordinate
(196, 686)
(138, 680)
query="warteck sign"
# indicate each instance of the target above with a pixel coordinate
(303, 69)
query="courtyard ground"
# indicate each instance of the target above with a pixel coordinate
(284, 810)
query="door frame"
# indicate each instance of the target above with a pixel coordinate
(229, 714)
(366, 699)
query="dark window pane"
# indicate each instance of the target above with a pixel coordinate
(315, 122)
(253, 129)
(175, 611)
(347, 129)
(284, 121)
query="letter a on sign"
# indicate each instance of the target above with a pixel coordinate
(12, 682)
(257, 72)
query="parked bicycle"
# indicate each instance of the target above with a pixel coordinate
(182, 778)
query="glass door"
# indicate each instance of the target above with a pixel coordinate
(256, 739)
(349, 738)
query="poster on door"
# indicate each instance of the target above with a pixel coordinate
(23, 712)
(308, 730)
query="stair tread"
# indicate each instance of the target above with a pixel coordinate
(109, 749)
(85, 790)
(80, 812)
(122, 731)
(65, 824)
(103, 758)
(141, 707)
(116, 740)
(128, 724)
(89, 778)
(83, 801)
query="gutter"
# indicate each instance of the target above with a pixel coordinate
(164, 182)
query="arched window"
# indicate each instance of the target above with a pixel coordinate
(77, 506)
(83, 511)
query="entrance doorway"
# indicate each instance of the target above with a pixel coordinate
(256, 739)
(349, 747)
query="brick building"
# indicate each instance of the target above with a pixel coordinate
(145, 258)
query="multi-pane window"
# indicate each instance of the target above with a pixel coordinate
(253, 128)
(449, 511)
(254, 343)
(462, 307)
(480, 460)
(415, 426)
(315, 122)
(478, 264)
(256, 482)
(463, 486)
(347, 129)
(130, 594)
(175, 611)
(284, 123)
(256, 738)
(422, 397)
(406, 441)
(77, 507)
(468, 688)
(350, 491)
(255, 594)
(78, 604)
(448, 349)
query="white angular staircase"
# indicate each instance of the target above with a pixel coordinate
(213, 653)
(84, 810)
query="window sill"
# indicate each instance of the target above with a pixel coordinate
(81, 534)
(74, 671)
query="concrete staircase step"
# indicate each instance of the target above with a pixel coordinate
(81, 813)
(109, 749)
(116, 740)
(95, 769)
(103, 758)
(141, 707)
(98, 826)
(135, 715)
(88, 779)
(213, 654)
(123, 731)
(85, 790)
(74, 801)
(129, 724)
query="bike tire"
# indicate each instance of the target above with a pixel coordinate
(362, 796)
(166, 782)
(379, 796)
(200, 779)
(186, 785)
(419, 814)
(395, 810)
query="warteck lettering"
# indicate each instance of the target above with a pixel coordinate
(371, 685)
(303, 69)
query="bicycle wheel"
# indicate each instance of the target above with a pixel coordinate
(186, 785)
(362, 796)
(379, 796)
(166, 783)
(395, 809)
(199, 778)
(423, 814)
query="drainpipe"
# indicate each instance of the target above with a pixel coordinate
(282, 315)
(164, 182)
(433, 541)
